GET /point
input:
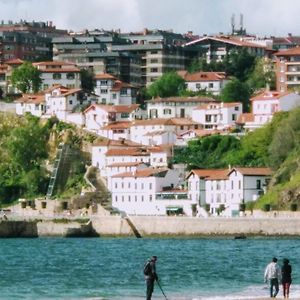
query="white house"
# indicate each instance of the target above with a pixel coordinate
(58, 73)
(223, 190)
(100, 115)
(160, 131)
(212, 82)
(34, 104)
(175, 107)
(61, 101)
(219, 116)
(142, 192)
(266, 104)
(113, 91)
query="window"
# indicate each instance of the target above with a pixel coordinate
(56, 76)
(116, 185)
(70, 102)
(150, 186)
(208, 118)
(70, 76)
(103, 82)
(240, 184)
(123, 92)
(198, 85)
(150, 198)
(258, 184)
(236, 108)
(46, 86)
(154, 60)
(154, 70)
(210, 85)
(114, 96)
(116, 198)
(233, 117)
(142, 186)
(103, 91)
(167, 111)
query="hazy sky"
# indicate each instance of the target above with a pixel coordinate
(262, 17)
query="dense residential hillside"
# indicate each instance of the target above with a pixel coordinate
(275, 145)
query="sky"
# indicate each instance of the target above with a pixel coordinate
(260, 17)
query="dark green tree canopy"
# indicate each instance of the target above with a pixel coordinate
(87, 80)
(168, 85)
(236, 91)
(26, 78)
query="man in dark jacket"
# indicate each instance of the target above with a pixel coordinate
(150, 276)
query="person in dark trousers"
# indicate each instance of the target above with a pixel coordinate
(150, 276)
(286, 275)
(273, 275)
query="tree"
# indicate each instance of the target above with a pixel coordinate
(236, 90)
(87, 80)
(262, 75)
(26, 78)
(168, 85)
(239, 63)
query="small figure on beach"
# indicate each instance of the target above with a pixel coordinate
(273, 276)
(150, 276)
(286, 274)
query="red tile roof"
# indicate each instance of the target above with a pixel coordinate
(53, 63)
(210, 174)
(133, 151)
(125, 164)
(288, 52)
(182, 99)
(114, 143)
(117, 125)
(269, 95)
(219, 105)
(29, 98)
(204, 76)
(105, 76)
(253, 171)
(118, 85)
(114, 108)
(16, 61)
(142, 173)
(245, 118)
(169, 122)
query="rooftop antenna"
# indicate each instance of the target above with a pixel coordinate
(232, 24)
(241, 21)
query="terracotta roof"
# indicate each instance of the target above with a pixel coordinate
(204, 76)
(29, 98)
(245, 118)
(117, 125)
(288, 52)
(182, 99)
(114, 108)
(54, 87)
(202, 132)
(116, 143)
(217, 105)
(53, 63)
(169, 122)
(269, 95)
(133, 151)
(60, 70)
(118, 85)
(126, 164)
(142, 173)
(70, 92)
(253, 171)
(227, 40)
(105, 76)
(16, 61)
(210, 174)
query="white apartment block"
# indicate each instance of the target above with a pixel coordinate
(265, 105)
(141, 192)
(100, 115)
(160, 131)
(218, 116)
(227, 189)
(58, 73)
(34, 104)
(175, 107)
(61, 101)
(113, 91)
(212, 82)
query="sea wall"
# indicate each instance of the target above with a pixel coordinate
(184, 226)
(154, 226)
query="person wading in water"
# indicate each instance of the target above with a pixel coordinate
(150, 276)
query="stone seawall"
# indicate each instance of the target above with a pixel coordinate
(154, 226)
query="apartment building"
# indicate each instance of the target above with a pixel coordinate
(113, 91)
(58, 73)
(160, 52)
(27, 40)
(288, 70)
(93, 50)
(222, 191)
(175, 107)
(219, 116)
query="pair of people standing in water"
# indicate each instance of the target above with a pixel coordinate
(274, 274)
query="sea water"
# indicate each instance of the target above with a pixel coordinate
(111, 268)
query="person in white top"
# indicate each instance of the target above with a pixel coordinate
(273, 275)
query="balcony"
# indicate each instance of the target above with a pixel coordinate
(172, 195)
